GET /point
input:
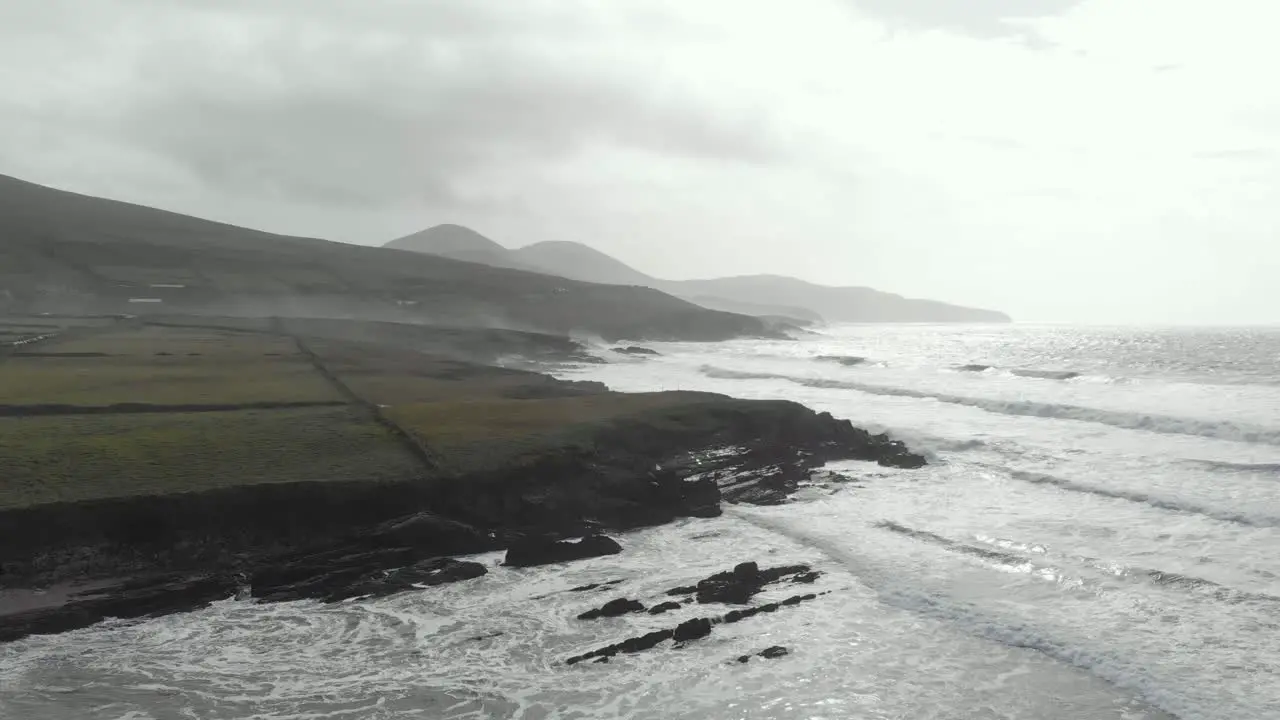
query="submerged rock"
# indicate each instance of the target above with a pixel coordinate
(848, 360)
(690, 630)
(694, 629)
(545, 552)
(595, 586)
(613, 608)
(664, 607)
(635, 350)
(1047, 374)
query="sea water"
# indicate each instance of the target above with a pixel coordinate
(1097, 536)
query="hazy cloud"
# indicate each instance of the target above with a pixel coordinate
(370, 104)
(1035, 156)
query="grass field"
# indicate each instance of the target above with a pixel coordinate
(480, 434)
(164, 366)
(152, 341)
(50, 459)
(175, 380)
(471, 417)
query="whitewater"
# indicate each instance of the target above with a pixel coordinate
(1097, 535)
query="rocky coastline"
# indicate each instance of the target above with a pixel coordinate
(70, 565)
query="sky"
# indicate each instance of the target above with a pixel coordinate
(1097, 161)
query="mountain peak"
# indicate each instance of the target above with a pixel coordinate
(580, 262)
(447, 239)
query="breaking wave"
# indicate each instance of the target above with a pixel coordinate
(1257, 468)
(1144, 498)
(1218, 429)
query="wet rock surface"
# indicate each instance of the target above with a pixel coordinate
(595, 586)
(847, 360)
(343, 582)
(736, 586)
(664, 608)
(613, 608)
(745, 581)
(541, 551)
(694, 629)
(636, 350)
(771, 653)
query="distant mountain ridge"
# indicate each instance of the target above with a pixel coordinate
(63, 252)
(759, 295)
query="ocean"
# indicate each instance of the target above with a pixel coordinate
(1097, 536)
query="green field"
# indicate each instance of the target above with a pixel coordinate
(480, 434)
(471, 417)
(176, 380)
(79, 457)
(163, 366)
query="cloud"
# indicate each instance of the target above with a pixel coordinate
(374, 103)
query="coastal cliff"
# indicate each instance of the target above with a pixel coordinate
(429, 457)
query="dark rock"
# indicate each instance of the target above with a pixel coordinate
(630, 645)
(973, 368)
(807, 578)
(429, 530)
(894, 454)
(776, 651)
(683, 590)
(734, 616)
(664, 607)
(377, 574)
(744, 658)
(687, 631)
(849, 360)
(692, 630)
(739, 585)
(429, 573)
(1047, 374)
(613, 608)
(140, 597)
(595, 586)
(545, 552)
(635, 350)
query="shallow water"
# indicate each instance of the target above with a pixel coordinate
(1098, 547)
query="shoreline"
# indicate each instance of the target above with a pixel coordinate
(520, 457)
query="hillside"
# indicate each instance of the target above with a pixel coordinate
(835, 304)
(580, 262)
(765, 296)
(65, 252)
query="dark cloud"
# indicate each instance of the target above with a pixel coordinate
(981, 18)
(383, 101)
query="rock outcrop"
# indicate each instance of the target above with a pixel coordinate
(736, 586)
(335, 540)
(613, 608)
(541, 551)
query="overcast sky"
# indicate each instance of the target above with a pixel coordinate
(1068, 160)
